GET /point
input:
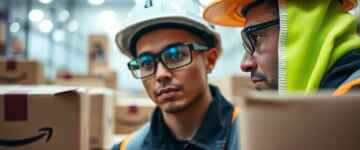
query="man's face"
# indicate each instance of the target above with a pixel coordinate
(263, 63)
(175, 90)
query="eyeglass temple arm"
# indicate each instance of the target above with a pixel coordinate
(199, 47)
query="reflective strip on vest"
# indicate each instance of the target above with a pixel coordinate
(235, 113)
(347, 87)
(125, 142)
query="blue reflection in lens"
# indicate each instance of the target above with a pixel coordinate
(146, 62)
(172, 53)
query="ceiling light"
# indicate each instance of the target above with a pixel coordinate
(45, 1)
(15, 27)
(73, 26)
(96, 2)
(36, 15)
(46, 26)
(63, 15)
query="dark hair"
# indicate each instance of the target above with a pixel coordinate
(210, 40)
(271, 3)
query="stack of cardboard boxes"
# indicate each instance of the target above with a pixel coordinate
(78, 116)
(101, 83)
(99, 72)
(19, 71)
(43, 117)
(2, 36)
(107, 79)
(101, 118)
(56, 117)
(98, 53)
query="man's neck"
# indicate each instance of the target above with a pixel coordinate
(185, 124)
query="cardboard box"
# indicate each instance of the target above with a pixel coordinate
(110, 78)
(21, 72)
(102, 118)
(43, 118)
(234, 87)
(132, 113)
(270, 122)
(80, 80)
(2, 36)
(104, 80)
(98, 52)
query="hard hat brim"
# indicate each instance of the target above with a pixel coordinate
(125, 36)
(224, 12)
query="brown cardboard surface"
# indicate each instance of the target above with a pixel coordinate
(98, 53)
(131, 113)
(63, 110)
(98, 67)
(271, 122)
(2, 37)
(131, 118)
(21, 72)
(233, 87)
(102, 118)
(108, 79)
(81, 80)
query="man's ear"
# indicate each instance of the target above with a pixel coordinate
(211, 58)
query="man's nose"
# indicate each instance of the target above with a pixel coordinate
(162, 73)
(248, 64)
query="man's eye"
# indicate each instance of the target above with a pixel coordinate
(174, 54)
(258, 38)
(146, 63)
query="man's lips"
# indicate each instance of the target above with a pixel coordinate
(257, 77)
(256, 80)
(167, 92)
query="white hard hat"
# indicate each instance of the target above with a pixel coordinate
(151, 13)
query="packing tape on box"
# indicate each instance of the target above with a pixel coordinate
(16, 106)
(11, 65)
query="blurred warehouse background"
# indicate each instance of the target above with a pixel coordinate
(60, 34)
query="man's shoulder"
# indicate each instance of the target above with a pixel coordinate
(353, 77)
(341, 72)
(352, 84)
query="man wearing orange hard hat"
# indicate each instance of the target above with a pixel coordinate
(295, 45)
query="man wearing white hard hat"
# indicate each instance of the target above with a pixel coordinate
(295, 45)
(172, 50)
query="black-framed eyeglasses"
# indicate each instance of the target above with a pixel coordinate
(172, 57)
(249, 38)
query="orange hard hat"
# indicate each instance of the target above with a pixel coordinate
(225, 12)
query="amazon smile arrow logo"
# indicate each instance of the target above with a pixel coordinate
(13, 78)
(45, 132)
